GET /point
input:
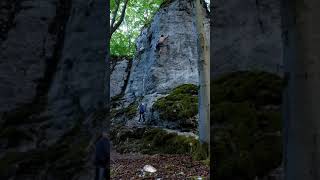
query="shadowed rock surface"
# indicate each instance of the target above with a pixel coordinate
(52, 91)
(247, 35)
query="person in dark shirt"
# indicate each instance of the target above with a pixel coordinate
(102, 157)
(142, 109)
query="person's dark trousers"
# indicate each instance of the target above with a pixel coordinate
(141, 115)
(102, 174)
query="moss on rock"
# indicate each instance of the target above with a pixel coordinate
(246, 132)
(131, 110)
(259, 88)
(156, 141)
(180, 104)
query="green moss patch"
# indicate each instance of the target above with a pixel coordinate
(246, 131)
(259, 88)
(156, 141)
(180, 104)
(131, 110)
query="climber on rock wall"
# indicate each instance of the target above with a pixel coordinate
(160, 42)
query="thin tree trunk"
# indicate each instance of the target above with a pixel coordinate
(302, 95)
(115, 25)
(204, 75)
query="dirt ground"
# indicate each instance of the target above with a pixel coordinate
(130, 166)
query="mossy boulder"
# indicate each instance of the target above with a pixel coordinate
(156, 141)
(247, 132)
(180, 106)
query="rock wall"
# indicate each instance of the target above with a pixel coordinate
(155, 71)
(119, 76)
(29, 35)
(52, 90)
(247, 35)
(77, 89)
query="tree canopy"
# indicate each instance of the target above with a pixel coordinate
(138, 14)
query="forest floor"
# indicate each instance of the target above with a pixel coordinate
(130, 166)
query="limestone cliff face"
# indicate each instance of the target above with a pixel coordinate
(155, 71)
(52, 71)
(247, 35)
(119, 77)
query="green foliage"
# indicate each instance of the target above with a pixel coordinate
(246, 140)
(139, 13)
(181, 103)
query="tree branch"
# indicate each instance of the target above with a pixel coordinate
(115, 27)
(115, 13)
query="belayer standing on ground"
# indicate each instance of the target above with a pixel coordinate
(142, 110)
(102, 157)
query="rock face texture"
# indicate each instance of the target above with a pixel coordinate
(119, 76)
(29, 33)
(52, 90)
(156, 70)
(247, 35)
(77, 89)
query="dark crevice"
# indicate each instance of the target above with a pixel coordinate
(125, 84)
(260, 22)
(128, 70)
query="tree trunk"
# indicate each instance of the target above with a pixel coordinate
(204, 75)
(302, 94)
(115, 25)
